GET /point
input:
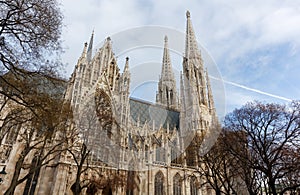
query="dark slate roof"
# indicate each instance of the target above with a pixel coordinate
(148, 112)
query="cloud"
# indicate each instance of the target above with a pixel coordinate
(254, 43)
(228, 28)
(106, 17)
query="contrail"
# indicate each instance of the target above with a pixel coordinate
(251, 89)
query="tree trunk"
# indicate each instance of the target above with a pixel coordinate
(251, 192)
(272, 187)
(76, 188)
(14, 181)
(218, 192)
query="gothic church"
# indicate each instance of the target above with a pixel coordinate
(136, 147)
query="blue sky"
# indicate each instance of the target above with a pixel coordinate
(255, 44)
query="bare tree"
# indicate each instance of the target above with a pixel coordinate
(29, 31)
(221, 169)
(271, 135)
(85, 150)
(235, 147)
(42, 125)
(82, 163)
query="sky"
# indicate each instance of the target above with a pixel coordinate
(252, 46)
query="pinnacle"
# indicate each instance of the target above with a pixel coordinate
(84, 50)
(166, 64)
(166, 38)
(188, 14)
(126, 67)
(89, 51)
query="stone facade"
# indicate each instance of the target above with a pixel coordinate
(153, 152)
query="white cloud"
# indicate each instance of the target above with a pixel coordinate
(281, 25)
(106, 17)
(234, 25)
(230, 30)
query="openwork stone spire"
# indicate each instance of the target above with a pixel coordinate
(191, 46)
(195, 96)
(167, 94)
(167, 72)
(193, 66)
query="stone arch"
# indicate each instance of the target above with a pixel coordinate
(193, 185)
(177, 184)
(104, 111)
(159, 183)
(32, 181)
(130, 178)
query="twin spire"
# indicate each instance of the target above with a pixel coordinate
(195, 89)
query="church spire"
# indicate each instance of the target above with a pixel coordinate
(191, 45)
(166, 72)
(194, 84)
(89, 51)
(193, 65)
(167, 94)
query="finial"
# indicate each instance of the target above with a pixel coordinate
(126, 67)
(188, 14)
(166, 38)
(108, 38)
(85, 44)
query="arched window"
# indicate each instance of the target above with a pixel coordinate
(193, 186)
(177, 184)
(130, 178)
(146, 153)
(159, 184)
(12, 133)
(157, 153)
(104, 111)
(175, 153)
(33, 178)
(160, 154)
